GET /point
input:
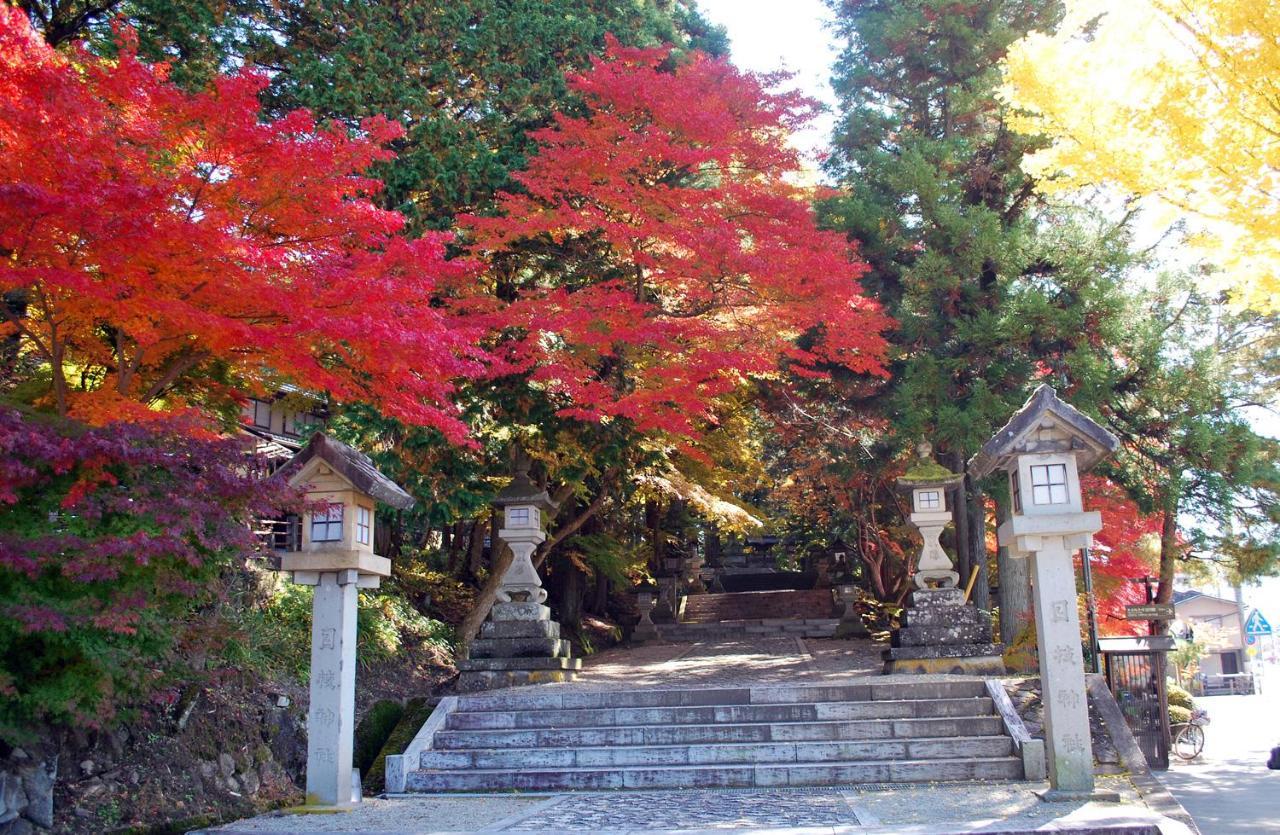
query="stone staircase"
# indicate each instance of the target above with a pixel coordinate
(757, 605)
(754, 614)
(555, 739)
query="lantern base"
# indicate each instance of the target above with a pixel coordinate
(971, 665)
(940, 633)
(518, 645)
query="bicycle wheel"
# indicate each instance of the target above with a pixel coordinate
(1189, 742)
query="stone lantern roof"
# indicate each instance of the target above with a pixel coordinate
(1085, 437)
(522, 490)
(925, 472)
(352, 465)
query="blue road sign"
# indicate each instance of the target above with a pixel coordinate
(1257, 624)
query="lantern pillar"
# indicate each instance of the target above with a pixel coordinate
(1066, 707)
(336, 559)
(331, 715)
(1043, 449)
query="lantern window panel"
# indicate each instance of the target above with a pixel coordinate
(518, 516)
(364, 525)
(929, 500)
(1049, 483)
(1015, 490)
(326, 524)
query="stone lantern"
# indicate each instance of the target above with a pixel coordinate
(931, 486)
(519, 643)
(1043, 449)
(524, 506)
(337, 558)
(941, 632)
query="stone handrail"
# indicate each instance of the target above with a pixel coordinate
(1031, 750)
(399, 765)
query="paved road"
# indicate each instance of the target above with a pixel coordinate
(1229, 790)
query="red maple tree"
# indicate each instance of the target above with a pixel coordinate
(1119, 554)
(659, 250)
(163, 249)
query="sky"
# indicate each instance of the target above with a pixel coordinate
(768, 35)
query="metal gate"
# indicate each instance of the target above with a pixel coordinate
(1136, 676)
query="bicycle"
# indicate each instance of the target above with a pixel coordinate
(1188, 737)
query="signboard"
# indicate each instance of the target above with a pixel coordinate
(1257, 624)
(1149, 611)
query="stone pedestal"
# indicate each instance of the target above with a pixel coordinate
(940, 633)
(668, 600)
(519, 644)
(645, 629)
(934, 568)
(851, 625)
(331, 717)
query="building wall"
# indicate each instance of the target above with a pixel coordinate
(1222, 615)
(280, 417)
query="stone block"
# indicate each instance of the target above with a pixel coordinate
(960, 633)
(936, 598)
(974, 665)
(519, 648)
(1033, 761)
(519, 610)
(952, 651)
(476, 680)
(944, 616)
(519, 629)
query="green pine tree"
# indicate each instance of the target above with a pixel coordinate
(934, 191)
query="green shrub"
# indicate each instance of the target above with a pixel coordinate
(114, 545)
(373, 730)
(275, 635)
(415, 715)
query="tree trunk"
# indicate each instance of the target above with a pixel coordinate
(653, 522)
(470, 625)
(1168, 555)
(978, 548)
(458, 545)
(571, 592)
(600, 601)
(475, 546)
(1015, 583)
(960, 515)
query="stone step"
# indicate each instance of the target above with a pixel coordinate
(771, 753)
(756, 605)
(905, 690)
(737, 630)
(699, 776)
(871, 729)
(520, 647)
(502, 664)
(709, 714)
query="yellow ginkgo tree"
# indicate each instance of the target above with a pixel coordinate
(1176, 102)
